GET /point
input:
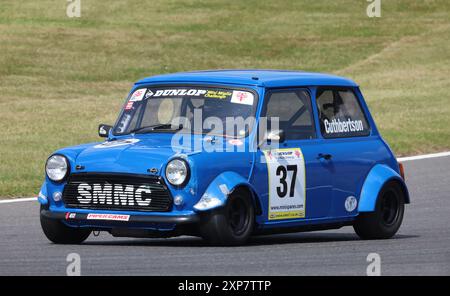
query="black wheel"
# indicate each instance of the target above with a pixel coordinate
(59, 233)
(385, 221)
(232, 224)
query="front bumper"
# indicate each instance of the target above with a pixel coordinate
(81, 219)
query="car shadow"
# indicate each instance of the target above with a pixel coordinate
(262, 240)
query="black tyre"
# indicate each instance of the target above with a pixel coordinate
(385, 221)
(232, 224)
(59, 233)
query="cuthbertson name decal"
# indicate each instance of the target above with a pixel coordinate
(338, 126)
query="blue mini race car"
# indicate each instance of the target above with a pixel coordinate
(225, 155)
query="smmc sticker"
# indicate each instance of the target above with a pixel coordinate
(287, 191)
(242, 97)
(116, 143)
(138, 95)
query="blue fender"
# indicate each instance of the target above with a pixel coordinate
(375, 180)
(219, 189)
(72, 152)
(43, 196)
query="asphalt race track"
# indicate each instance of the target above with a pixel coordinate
(422, 246)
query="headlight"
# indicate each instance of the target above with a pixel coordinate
(57, 167)
(177, 172)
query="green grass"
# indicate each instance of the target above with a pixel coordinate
(60, 77)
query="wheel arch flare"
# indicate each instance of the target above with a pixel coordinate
(378, 176)
(221, 187)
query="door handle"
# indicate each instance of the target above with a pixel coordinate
(324, 156)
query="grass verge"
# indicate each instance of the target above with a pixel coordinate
(60, 77)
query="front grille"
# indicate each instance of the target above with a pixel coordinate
(117, 192)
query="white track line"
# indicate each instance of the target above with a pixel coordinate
(425, 156)
(409, 158)
(17, 200)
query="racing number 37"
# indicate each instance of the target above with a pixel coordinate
(282, 172)
(286, 176)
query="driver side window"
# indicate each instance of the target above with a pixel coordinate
(293, 110)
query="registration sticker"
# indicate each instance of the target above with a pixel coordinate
(110, 217)
(242, 97)
(287, 190)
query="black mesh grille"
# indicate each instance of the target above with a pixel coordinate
(117, 192)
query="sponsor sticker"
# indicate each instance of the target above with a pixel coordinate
(149, 94)
(242, 97)
(218, 94)
(138, 95)
(192, 92)
(70, 215)
(287, 191)
(116, 143)
(350, 203)
(129, 105)
(110, 217)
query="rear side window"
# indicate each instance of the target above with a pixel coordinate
(294, 112)
(340, 114)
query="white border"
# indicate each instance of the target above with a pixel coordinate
(401, 159)
(13, 200)
(424, 156)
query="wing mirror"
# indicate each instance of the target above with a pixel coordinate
(103, 130)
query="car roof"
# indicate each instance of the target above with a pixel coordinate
(265, 78)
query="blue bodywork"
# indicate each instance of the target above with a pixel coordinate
(360, 165)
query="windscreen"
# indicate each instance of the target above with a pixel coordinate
(172, 109)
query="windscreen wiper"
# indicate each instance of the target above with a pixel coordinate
(154, 127)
